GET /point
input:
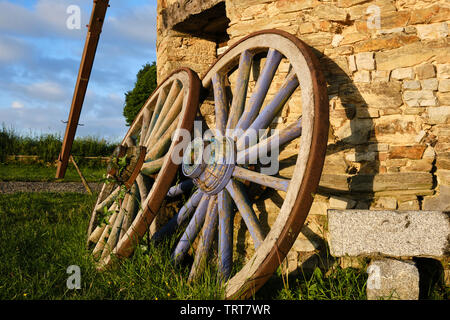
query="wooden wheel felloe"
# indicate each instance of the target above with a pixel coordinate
(268, 80)
(142, 168)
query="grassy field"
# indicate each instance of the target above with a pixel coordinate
(42, 234)
(48, 146)
(39, 172)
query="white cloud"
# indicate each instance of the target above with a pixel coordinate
(40, 56)
(46, 18)
(33, 119)
(46, 91)
(11, 49)
(15, 18)
(137, 25)
(17, 105)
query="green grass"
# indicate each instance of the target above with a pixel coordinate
(39, 172)
(337, 284)
(42, 234)
(48, 146)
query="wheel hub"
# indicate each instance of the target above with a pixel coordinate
(210, 163)
(125, 163)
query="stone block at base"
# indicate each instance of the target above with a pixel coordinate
(388, 233)
(392, 279)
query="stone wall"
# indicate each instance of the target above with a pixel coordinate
(180, 48)
(177, 49)
(387, 64)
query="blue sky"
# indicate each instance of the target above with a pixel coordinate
(40, 57)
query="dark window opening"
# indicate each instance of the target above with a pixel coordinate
(210, 24)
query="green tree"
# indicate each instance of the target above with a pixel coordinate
(144, 86)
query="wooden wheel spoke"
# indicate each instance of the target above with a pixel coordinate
(129, 142)
(220, 102)
(142, 187)
(101, 241)
(171, 98)
(244, 206)
(261, 89)
(103, 193)
(151, 167)
(95, 235)
(266, 116)
(169, 118)
(180, 188)
(206, 239)
(144, 127)
(162, 96)
(180, 217)
(162, 145)
(191, 231)
(98, 231)
(240, 89)
(108, 201)
(225, 208)
(131, 209)
(115, 229)
(273, 142)
(261, 179)
(106, 190)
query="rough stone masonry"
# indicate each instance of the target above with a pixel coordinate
(391, 238)
(387, 65)
(389, 233)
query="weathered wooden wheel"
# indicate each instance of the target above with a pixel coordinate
(142, 169)
(224, 168)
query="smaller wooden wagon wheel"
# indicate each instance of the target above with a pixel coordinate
(269, 79)
(141, 169)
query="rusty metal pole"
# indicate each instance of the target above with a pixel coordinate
(87, 60)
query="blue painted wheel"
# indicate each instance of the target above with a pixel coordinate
(268, 95)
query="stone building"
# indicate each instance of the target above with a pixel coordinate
(387, 65)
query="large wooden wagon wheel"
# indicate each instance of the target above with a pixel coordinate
(266, 75)
(142, 169)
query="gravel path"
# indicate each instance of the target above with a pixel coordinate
(19, 186)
